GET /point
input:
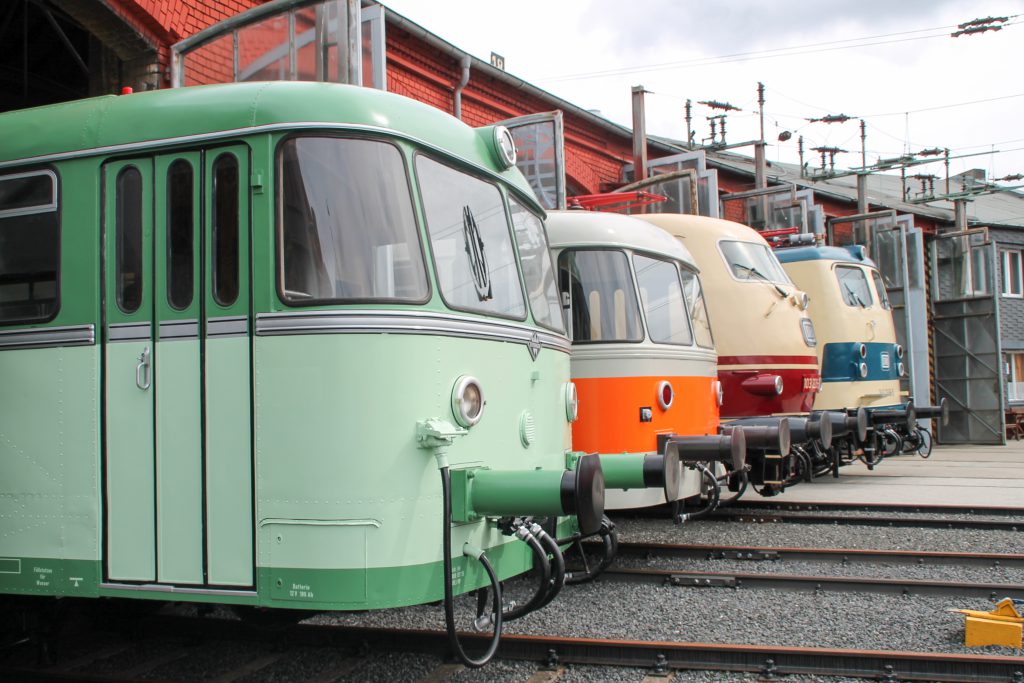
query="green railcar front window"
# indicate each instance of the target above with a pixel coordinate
(347, 229)
(538, 272)
(471, 242)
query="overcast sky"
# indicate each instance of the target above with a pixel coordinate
(902, 75)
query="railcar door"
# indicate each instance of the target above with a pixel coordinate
(178, 427)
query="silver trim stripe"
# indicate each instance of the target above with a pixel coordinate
(182, 590)
(74, 335)
(403, 322)
(179, 329)
(230, 326)
(122, 332)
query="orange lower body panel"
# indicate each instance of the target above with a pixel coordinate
(612, 411)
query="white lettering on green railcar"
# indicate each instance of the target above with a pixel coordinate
(301, 590)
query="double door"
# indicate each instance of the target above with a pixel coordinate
(177, 413)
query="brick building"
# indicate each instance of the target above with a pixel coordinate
(65, 49)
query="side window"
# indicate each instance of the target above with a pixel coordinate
(601, 294)
(695, 304)
(471, 242)
(853, 286)
(180, 234)
(347, 231)
(662, 297)
(537, 269)
(128, 221)
(29, 247)
(883, 296)
(225, 229)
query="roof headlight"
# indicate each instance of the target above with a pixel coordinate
(467, 401)
(504, 147)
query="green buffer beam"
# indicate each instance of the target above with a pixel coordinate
(642, 470)
(532, 493)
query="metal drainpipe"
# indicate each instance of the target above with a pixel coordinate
(464, 62)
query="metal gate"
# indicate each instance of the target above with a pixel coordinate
(965, 325)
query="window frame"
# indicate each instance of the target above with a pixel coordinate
(1004, 271)
(628, 255)
(53, 206)
(633, 254)
(214, 205)
(118, 244)
(506, 212)
(169, 228)
(867, 282)
(279, 223)
(525, 206)
(728, 264)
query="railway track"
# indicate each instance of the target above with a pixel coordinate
(550, 653)
(837, 517)
(827, 555)
(750, 505)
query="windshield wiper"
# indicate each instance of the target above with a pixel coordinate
(761, 276)
(853, 295)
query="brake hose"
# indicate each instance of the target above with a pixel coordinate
(713, 496)
(558, 563)
(449, 600)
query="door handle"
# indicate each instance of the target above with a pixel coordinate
(143, 371)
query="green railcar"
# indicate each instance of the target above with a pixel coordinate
(243, 326)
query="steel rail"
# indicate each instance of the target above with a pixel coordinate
(725, 515)
(663, 656)
(823, 555)
(816, 583)
(993, 511)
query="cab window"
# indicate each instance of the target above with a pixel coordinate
(538, 272)
(470, 241)
(601, 297)
(853, 286)
(883, 296)
(662, 296)
(347, 231)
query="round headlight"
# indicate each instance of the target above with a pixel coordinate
(665, 395)
(719, 393)
(863, 350)
(902, 370)
(572, 402)
(863, 370)
(505, 146)
(899, 351)
(802, 300)
(778, 385)
(467, 401)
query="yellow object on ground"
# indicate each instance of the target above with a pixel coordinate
(1002, 626)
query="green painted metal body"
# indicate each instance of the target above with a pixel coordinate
(623, 470)
(498, 494)
(270, 469)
